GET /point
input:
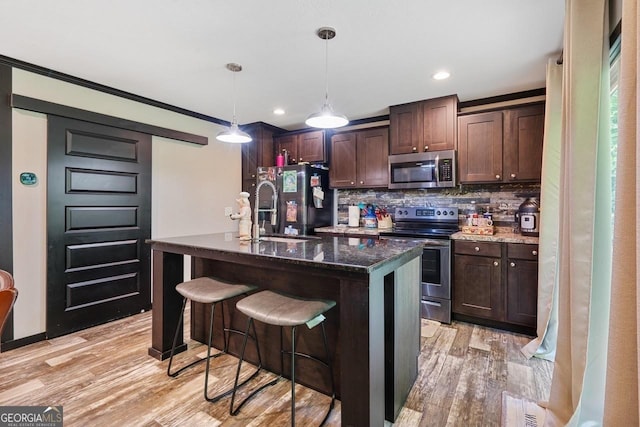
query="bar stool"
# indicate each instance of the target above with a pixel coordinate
(281, 310)
(207, 290)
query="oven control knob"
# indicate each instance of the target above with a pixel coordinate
(438, 213)
(451, 213)
(406, 212)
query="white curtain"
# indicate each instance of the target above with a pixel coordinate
(584, 240)
(544, 345)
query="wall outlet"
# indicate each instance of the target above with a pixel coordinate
(228, 211)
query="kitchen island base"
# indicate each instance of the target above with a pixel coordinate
(373, 331)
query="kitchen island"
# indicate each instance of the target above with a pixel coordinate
(373, 331)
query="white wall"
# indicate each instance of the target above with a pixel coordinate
(191, 184)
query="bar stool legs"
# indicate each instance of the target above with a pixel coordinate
(293, 353)
(235, 411)
(326, 363)
(210, 291)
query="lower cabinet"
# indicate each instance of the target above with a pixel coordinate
(496, 282)
(522, 284)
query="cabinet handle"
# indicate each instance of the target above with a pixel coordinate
(495, 263)
(253, 184)
(513, 264)
(253, 175)
(414, 149)
(513, 175)
(300, 159)
(353, 183)
(497, 176)
(293, 161)
(361, 182)
(426, 148)
(477, 249)
(534, 253)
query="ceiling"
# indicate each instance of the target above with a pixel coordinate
(384, 52)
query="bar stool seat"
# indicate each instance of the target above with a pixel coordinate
(281, 310)
(285, 311)
(209, 290)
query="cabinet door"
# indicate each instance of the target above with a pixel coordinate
(437, 122)
(480, 147)
(522, 292)
(311, 147)
(289, 143)
(477, 287)
(403, 125)
(266, 152)
(249, 159)
(523, 137)
(373, 158)
(342, 173)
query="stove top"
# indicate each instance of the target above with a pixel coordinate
(424, 222)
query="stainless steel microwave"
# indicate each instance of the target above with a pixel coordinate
(433, 169)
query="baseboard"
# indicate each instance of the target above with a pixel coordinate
(21, 342)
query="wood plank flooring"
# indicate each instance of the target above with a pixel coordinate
(103, 377)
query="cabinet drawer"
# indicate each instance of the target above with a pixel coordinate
(522, 251)
(491, 249)
(436, 309)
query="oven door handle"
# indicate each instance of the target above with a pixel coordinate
(436, 304)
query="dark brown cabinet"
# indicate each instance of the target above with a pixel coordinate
(428, 125)
(496, 282)
(359, 159)
(524, 135)
(501, 146)
(480, 147)
(477, 287)
(522, 284)
(303, 147)
(259, 152)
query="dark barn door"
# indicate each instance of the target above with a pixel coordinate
(98, 217)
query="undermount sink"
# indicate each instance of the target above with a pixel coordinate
(283, 239)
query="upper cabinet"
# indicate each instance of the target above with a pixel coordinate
(501, 146)
(359, 159)
(428, 125)
(258, 152)
(524, 135)
(303, 147)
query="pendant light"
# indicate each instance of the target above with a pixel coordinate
(233, 134)
(326, 118)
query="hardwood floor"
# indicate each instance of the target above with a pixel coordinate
(103, 377)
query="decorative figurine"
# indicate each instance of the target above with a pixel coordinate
(244, 215)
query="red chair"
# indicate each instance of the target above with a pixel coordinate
(8, 296)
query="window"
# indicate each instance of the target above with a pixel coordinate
(614, 73)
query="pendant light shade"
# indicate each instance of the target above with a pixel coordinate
(326, 118)
(233, 134)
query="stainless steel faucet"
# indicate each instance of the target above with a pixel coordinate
(273, 210)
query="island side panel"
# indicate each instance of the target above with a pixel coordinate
(406, 332)
(168, 270)
(361, 369)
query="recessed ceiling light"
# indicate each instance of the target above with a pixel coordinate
(441, 75)
(278, 111)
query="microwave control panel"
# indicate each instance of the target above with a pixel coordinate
(445, 169)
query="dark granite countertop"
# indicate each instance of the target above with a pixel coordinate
(338, 253)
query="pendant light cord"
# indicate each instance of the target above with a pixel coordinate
(326, 68)
(234, 98)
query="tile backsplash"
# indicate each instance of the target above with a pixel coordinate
(503, 200)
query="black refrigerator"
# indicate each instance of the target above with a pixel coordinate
(304, 200)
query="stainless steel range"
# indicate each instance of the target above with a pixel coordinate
(432, 227)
